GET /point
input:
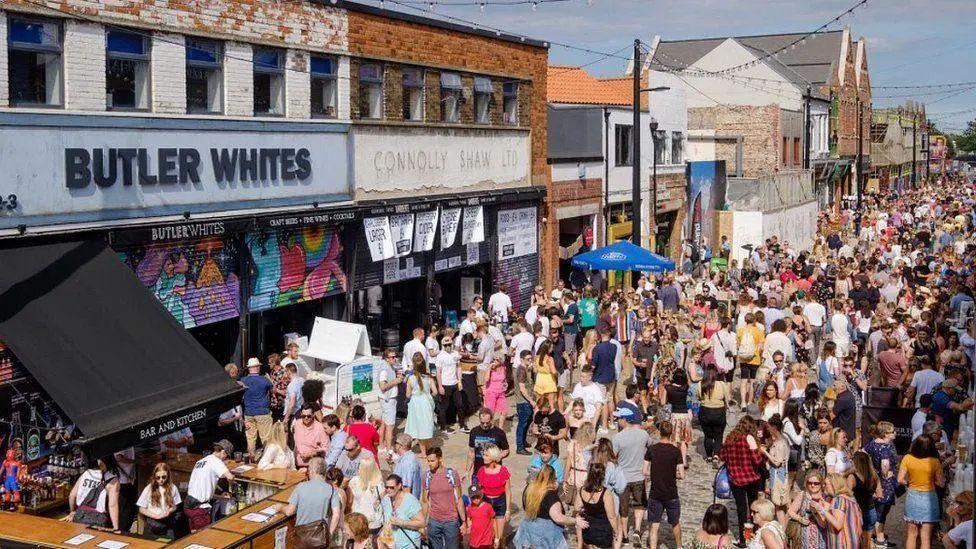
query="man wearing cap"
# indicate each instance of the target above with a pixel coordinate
(257, 405)
(203, 482)
(630, 444)
(407, 465)
(945, 407)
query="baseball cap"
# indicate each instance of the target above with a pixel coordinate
(227, 445)
(623, 412)
(474, 491)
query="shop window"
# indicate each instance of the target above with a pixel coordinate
(127, 71)
(510, 104)
(660, 138)
(413, 94)
(623, 140)
(677, 148)
(204, 76)
(269, 82)
(450, 97)
(34, 62)
(371, 90)
(482, 100)
(324, 86)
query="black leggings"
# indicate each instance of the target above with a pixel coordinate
(449, 405)
(744, 496)
(712, 421)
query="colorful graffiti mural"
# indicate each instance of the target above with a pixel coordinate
(294, 265)
(197, 282)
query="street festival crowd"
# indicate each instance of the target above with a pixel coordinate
(771, 359)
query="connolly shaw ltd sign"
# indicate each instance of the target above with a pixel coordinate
(76, 172)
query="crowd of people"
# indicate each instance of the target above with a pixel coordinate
(772, 359)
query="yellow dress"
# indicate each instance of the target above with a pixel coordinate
(545, 380)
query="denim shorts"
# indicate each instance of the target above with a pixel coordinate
(922, 507)
(870, 519)
(498, 504)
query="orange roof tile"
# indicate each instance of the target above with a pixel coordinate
(567, 84)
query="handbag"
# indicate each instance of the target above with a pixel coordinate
(722, 485)
(315, 535)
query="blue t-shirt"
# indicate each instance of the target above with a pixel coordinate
(940, 407)
(604, 356)
(408, 469)
(257, 395)
(403, 538)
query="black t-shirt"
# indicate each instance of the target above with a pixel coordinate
(664, 459)
(550, 424)
(844, 412)
(547, 501)
(646, 352)
(480, 438)
(558, 347)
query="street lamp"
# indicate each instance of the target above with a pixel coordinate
(653, 126)
(636, 163)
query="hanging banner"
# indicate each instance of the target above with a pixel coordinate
(196, 280)
(517, 232)
(424, 230)
(294, 265)
(401, 227)
(474, 225)
(379, 238)
(450, 218)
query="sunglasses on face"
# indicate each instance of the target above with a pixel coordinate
(162, 477)
(389, 487)
(813, 483)
(306, 416)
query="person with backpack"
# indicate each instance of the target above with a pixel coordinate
(94, 499)
(749, 352)
(442, 502)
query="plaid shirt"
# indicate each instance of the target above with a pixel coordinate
(741, 461)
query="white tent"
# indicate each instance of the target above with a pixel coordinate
(337, 341)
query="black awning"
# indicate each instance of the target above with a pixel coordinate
(106, 351)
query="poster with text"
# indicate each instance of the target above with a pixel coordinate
(401, 227)
(517, 232)
(379, 238)
(706, 194)
(474, 225)
(424, 229)
(450, 219)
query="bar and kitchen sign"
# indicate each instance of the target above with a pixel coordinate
(72, 174)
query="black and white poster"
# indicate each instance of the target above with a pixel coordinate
(474, 225)
(517, 232)
(424, 229)
(450, 218)
(379, 237)
(401, 227)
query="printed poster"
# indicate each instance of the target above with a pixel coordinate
(401, 227)
(517, 233)
(474, 225)
(362, 378)
(424, 229)
(379, 238)
(450, 218)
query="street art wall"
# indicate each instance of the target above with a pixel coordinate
(294, 265)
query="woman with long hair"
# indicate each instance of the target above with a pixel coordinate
(794, 429)
(598, 507)
(280, 378)
(544, 519)
(884, 458)
(777, 453)
(769, 403)
(714, 531)
(675, 394)
(421, 387)
(714, 394)
(94, 499)
(921, 472)
(160, 505)
(579, 451)
(837, 460)
(545, 372)
(811, 532)
(742, 458)
(828, 366)
(796, 384)
(276, 453)
(866, 488)
(842, 515)
(366, 491)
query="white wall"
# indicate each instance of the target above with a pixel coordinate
(796, 225)
(168, 63)
(569, 171)
(238, 79)
(819, 130)
(4, 84)
(621, 177)
(84, 66)
(298, 93)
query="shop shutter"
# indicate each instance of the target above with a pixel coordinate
(294, 265)
(196, 280)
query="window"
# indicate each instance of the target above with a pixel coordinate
(371, 90)
(204, 76)
(796, 151)
(450, 97)
(34, 58)
(126, 71)
(677, 148)
(413, 94)
(622, 136)
(660, 138)
(785, 160)
(269, 81)
(324, 88)
(510, 103)
(482, 100)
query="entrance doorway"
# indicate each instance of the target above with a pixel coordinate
(220, 339)
(457, 290)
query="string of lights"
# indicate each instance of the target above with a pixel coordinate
(926, 86)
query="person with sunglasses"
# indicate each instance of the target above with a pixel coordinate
(160, 505)
(403, 514)
(310, 437)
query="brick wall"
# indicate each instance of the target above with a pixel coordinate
(84, 66)
(4, 84)
(559, 194)
(298, 100)
(432, 95)
(238, 79)
(467, 102)
(168, 78)
(758, 126)
(374, 36)
(393, 92)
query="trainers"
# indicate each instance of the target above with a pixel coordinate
(465, 429)
(635, 538)
(449, 431)
(523, 452)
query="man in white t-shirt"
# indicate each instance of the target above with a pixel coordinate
(389, 380)
(500, 305)
(923, 381)
(412, 347)
(523, 340)
(446, 363)
(294, 357)
(203, 483)
(592, 395)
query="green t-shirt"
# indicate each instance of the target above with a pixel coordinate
(588, 312)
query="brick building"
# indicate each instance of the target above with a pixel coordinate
(260, 140)
(589, 200)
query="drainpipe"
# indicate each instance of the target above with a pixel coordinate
(606, 175)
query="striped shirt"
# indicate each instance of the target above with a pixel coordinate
(847, 537)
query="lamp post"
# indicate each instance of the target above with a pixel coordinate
(653, 126)
(636, 162)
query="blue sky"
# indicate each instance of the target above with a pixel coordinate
(910, 42)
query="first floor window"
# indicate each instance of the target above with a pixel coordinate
(371, 90)
(269, 81)
(324, 91)
(204, 76)
(510, 103)
(622, 138)
(413, 94)
(660, 138)
(677, 148)
(482, 100)
(34, 62)
(450, 97)
(127, 71)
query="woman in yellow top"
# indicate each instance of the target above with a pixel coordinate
(545, 372)
(921, 471)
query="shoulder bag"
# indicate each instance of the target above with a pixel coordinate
(315, 535)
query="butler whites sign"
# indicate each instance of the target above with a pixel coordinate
(72, 172)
